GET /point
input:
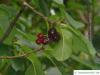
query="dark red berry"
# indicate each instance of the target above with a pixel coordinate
(45, 41)
(38, 41)
(42, 41)
(53, 35)
(40, 35)
(52, 31)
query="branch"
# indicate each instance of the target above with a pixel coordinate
(22, 55)
(35, 11)
(12, 24)
(41, 15)
(90, 10)
(82, 16)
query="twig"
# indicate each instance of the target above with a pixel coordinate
(22, 55)
(82, 16)
(12, 24)
(90, 10)
(13, 57)
(35, 11)
(40, 14)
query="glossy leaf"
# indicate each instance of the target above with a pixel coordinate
(6, 16)
(62, 69)
(63, 49)
(35, 62)
(74, 23)
(59, 1)
(18, 64)
(86, 43)
(30, 70)
(70, 20)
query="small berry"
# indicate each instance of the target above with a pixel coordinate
(42, 41)
(40, 35)
(38, 41)
(53, 35)
(52, 31)
(45, 41)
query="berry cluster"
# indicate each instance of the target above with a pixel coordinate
(41, 39)
(53, 36)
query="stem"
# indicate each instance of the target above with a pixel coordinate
(35, 11)
(90, 27)
(21, 55)
(41, 15)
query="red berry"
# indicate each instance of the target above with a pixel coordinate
(42, 39)
(45, 41)
(40, 35)
(38, 41)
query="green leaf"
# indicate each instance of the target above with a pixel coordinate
(43, 5)
(85, 43)
(10, 38)
(63, 49)
(18, 64)
(58, 65)
(26, 39)
(3, 62)
(78, 45)
(5, 50)
(35, 61)
(70, 20)
(6, 14)
(75, 6)
(37, 65)
(87, 64)
(59, 1)
(30, 70)
(53, 71)
(74, 23)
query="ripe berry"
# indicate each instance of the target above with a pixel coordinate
(45, 41)
(52, 31)
(53, 35)
(38, 41)
(40, 35)
(41, 39)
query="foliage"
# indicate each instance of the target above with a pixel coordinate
(19, 52)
